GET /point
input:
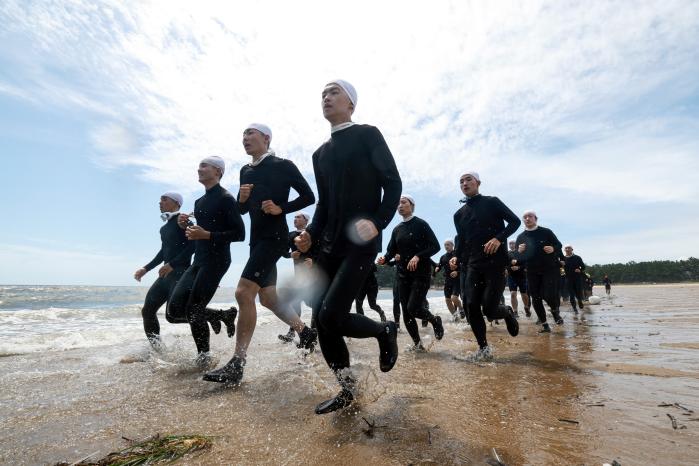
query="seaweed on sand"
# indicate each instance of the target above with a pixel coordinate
(153, 450)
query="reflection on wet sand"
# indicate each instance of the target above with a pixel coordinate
(586, 394)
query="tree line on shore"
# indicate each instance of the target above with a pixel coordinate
(630, 272)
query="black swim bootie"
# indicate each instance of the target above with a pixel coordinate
(545, 329)
(230, 374)
(215, 324)
(388, 346)
(511, 322)
(557, 317)
(289, 337)
(228, 318)
(308, 338)
(342, 400)
(438, 327)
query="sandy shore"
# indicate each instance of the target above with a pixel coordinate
(588, 393)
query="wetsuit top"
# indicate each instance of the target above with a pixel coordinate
(413, 238)
(478, 221)
(443, 266)
(519, 273)
(573, 262)
(607, 282)
(175, 250)
(273, 179)
(351, 170)
(217, 212)
(534, 256)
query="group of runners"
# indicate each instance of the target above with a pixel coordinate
(359, 188)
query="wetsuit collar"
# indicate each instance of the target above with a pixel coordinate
(255, 163)
(165, 216)
(532, 228)
(341, 126)
(466, 198)
(408, 219)
(215, 187)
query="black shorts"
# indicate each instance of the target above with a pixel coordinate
(452, 287)
(261, 267)
(517, 282)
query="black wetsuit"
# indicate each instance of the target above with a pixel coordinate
(516, 279)
(175, 251)
(410, 239)
(452, 285)
(272, 180)
(351, 170)
(216, 211)
(477, 222)
(543, 270)
(370, 290)
(574, 280)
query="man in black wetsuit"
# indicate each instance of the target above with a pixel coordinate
(218, 224)
(517, 280)
(452, 288)
(265, 184)
(480, 224)
(352, 169)
(176, 254)
(574, 267)
(415, 242)
(302, 261)
(539, 248)
(370, 290)
(607, 284)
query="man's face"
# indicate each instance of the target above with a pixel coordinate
(529, 220)
(569, 251)
(449, 246)
(336, 103)
(254, 142)
(469, 185)
(208, 173)
(405, 208)
(300, 222)
(511, 244)
(168, 205)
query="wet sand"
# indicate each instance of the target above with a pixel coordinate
(607, 369)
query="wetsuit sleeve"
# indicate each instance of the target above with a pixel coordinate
(431, 243)
(185, 255)
(320, 216)
(513, 222)
(582, 265)
(236, 227)
(555, 243)
(521, 261)
(383, 161)
(300, 185)
(391, 249)
(156, 260)
(243, 207)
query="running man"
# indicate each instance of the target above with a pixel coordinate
(415, 242)
(301, 264)
(540, 249)
(574, 267)
(607, 284)
(175, 254)
(517, 280)
(218, 224)
(452, 289)
(265, 184)
(352, 169)
(480, 224)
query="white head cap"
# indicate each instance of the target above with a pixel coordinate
(531, 212)
(262, 128)
(349, 90)
(305, 215)
(216, 161)
(177, 197)
(409, 198)
(449, 240)
(568, 246)
(473, 174)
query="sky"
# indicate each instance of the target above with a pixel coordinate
(587, 112)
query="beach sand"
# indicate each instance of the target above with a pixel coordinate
(586, 394)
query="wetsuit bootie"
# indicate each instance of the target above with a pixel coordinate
(230, 374)
(228, 318)
(462, 313)
(308, 338)
(289, 337)
(545, 329)
(203, 361)
(557, 317)
(511, 322)
(527, 312)
(438, 327)
(388, 346)
(425, 322)
(342, 400)
(215, 325)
